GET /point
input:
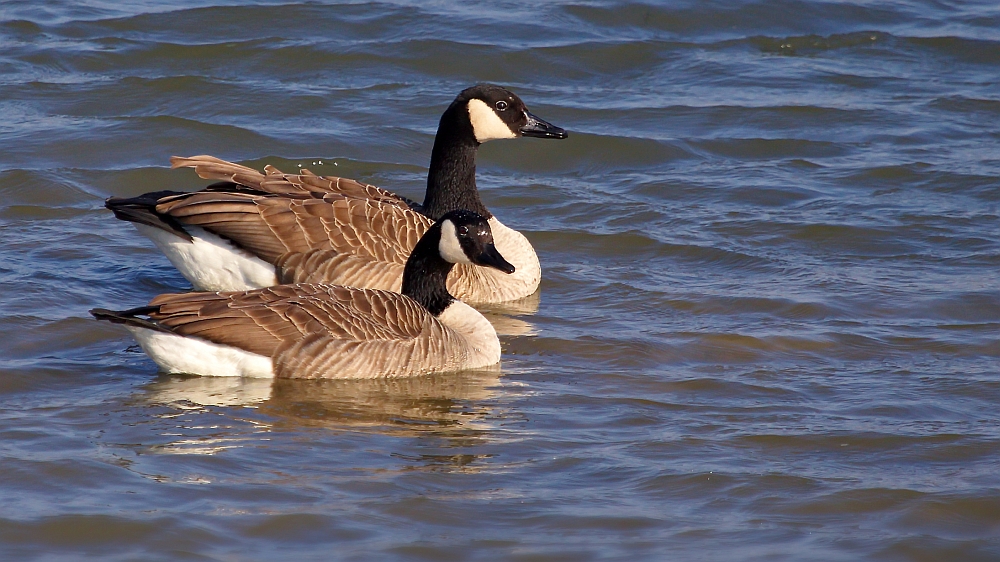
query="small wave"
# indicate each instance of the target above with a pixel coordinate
(768, 149)
(811, 44)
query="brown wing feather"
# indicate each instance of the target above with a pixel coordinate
(371, 240)
(210, 167)
(381, 231)
(327, 266)
(305, 216)
(264, 320)
(436, 349)
(276, 182)
(235, 216)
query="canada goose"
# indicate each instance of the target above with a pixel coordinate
(329, 331)
(259, 229)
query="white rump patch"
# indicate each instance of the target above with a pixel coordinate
(486, 124)
(179, 354)
(449, 247)
(210, 262)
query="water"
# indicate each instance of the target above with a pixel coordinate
(769, 322)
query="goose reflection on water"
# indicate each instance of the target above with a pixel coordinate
(508, 317)
(193, 391)
(456, 407)
(433, 402)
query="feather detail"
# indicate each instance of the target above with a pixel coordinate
(320, 229)
(325, 331)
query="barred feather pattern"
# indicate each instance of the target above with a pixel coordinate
(321, 229)
(324, 331)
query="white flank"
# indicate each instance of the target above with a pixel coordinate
(210, 262)
(449, 247)
(178, 354)
(486, 124)
(480, 334)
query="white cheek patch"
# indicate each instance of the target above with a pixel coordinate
(486, 125)
(449, 247)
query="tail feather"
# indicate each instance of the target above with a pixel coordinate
(128, 317)
(142, 209)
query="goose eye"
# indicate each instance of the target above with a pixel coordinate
(501, 105)
(463, 231)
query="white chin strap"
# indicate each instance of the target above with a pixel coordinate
(448, 247)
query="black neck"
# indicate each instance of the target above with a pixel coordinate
(426, 273)
(451, 180)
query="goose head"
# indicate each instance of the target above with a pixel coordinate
(478, 114)
(495, 112)
(466, 238)
(459, 237)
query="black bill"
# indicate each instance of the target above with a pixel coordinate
(492, 258)
(541, 128)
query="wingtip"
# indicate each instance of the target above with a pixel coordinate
(100, 313)
(128, 317)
